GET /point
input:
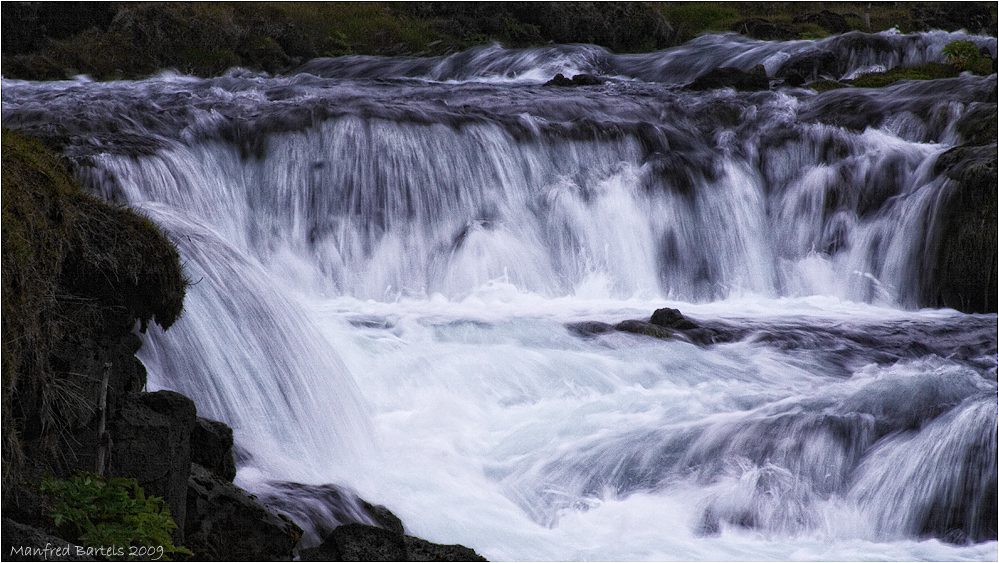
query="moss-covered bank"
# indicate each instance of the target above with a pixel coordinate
(77, 275)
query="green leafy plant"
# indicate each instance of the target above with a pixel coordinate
(964, 55)
(111, 513)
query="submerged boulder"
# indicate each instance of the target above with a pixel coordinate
(589, 328)
(644, 328)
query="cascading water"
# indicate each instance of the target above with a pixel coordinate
(384, 266)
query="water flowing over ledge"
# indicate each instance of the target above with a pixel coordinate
(842, 56)
(385, 263)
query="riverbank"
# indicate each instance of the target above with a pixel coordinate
(111, 40)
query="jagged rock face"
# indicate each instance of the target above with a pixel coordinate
(225, 523)
(211, 447)
(151, 443)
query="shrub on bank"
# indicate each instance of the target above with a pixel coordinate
(113, 517)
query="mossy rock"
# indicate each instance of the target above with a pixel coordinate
(929, 71)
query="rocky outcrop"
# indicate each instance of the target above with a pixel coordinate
(78, 277)
(361, 542)
(671, 318)
(151, 444)
(962, 269)
(212, 448)
(753, 80)
(421, 550)
(577, 80)
(225, 523)
(665, 324)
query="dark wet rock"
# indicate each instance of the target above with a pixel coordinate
(225, 523)
(831, 60)
(26, 543)
(320, 509)
(707, 336)
(151, 443)
(978, 124)
(361, 542)
(830, 21)
(753, 80)
(589, 328)
(421, 550)
(765, 30)
(577, 80)
(690, 331)
(644, 328)
(671, 318)
(211, 447)
(962, 270)
(810, 66)
(384, 517)
(372, 322)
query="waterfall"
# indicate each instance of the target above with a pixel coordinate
(385, 254)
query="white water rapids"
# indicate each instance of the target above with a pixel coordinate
(387, 270)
